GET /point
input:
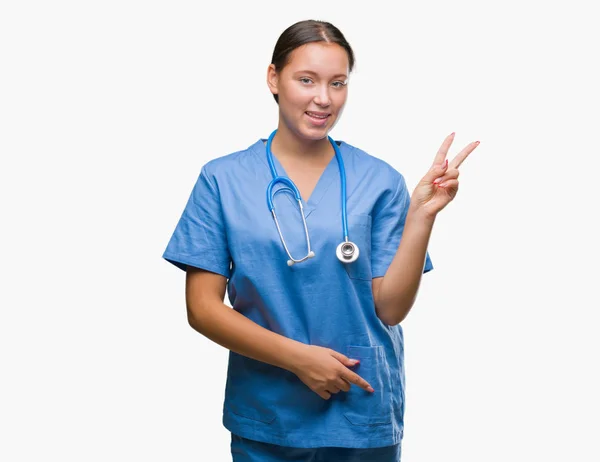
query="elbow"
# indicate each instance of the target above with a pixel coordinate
(386, 318)
(394, 315)
(193, 320)
(203, 294)
(197, 314)
(390, 322)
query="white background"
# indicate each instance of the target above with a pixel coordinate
(109, 109)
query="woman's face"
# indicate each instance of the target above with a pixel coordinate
(312, 88)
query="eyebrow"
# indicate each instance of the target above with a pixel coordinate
(313, 73)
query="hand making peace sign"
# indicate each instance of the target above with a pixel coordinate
(440, 185)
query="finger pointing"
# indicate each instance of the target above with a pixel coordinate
(357, 380)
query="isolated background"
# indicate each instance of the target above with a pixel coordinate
(109, 109)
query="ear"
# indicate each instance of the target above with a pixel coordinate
(272, 79)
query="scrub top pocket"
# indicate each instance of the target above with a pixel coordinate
(362, 406)
(260, 415)
(359, 232)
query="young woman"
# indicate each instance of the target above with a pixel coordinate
(321, 248)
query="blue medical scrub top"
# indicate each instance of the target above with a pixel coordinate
(227, 228)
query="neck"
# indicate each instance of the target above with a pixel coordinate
(287, 145)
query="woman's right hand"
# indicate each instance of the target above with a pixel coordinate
(325, 371)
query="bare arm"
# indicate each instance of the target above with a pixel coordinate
(396, 292)
(208, 315)
(323, 370)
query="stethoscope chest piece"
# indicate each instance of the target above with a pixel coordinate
(347, 252)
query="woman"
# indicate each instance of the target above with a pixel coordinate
(319, 288)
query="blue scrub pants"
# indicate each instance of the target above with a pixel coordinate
(245, 450)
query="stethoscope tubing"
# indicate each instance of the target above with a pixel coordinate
(346, 251)
(288, 182)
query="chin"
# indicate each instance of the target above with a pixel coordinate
(315, 133)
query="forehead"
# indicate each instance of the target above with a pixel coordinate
(319, 57)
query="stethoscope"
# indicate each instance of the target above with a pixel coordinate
(347, 251)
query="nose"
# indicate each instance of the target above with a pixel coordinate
(322, 97)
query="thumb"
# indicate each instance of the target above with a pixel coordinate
(436, 171)
(345, 360)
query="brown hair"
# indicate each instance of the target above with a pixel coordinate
(304, 32)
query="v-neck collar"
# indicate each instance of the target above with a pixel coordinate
(323, 183)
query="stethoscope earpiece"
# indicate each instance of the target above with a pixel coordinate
(292, 262)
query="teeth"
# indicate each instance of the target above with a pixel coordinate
(317, 116)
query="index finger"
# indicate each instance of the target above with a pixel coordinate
(443, 151)
(356, 379)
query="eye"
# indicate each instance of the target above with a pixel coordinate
(339, 84)
(305, 80)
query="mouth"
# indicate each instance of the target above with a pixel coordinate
(317, 118)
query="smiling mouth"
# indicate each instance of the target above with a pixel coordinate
(317, 116)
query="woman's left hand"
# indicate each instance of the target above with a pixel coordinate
(440, 185)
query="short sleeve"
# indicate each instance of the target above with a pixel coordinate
(200, 237)
(387, 228)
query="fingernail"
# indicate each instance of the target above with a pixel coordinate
(476, 142)
(370, 389)
(445, 164)
(354, 361)
(452, 134)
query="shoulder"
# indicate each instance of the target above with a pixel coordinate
(368, 164)
(231, 164)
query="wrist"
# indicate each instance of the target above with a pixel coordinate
(295, 356)
(418, 216)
